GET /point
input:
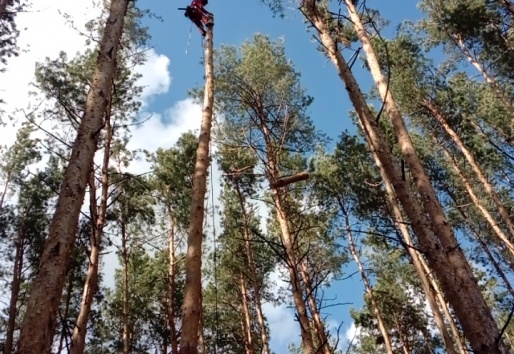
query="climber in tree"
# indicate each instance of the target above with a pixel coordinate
(197, 13)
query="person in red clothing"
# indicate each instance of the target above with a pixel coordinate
(197, 13)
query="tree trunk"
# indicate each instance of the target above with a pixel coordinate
(247, 324)
(443, 252)
(367, 285)
(171, 286)
(64, 330)
(193, 286)
(416, 261)
(476, 201)
(319, 326)
(37, 328)
(15, 292)
(125, 289)
(505, 214)
(97, 221)
(3, 6)
(256, 284)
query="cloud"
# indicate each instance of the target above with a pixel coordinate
(155, 77)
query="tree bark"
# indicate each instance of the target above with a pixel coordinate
(416, 261)
(171, 286)
(193, 287)
(125, 289)
(15, 292)
(256, 284)
(443, 252)
(38, 325)
(367, 285)
(505, 214)
(247, 318)
(97, 222)
(285, 181)
(319, 326)
(476, 201)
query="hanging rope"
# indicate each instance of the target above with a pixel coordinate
(189, 39)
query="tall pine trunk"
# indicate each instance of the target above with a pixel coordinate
(505, 214)
(443, 252)
(38, 326)
(97, 221)
(367, 285)
(192, 307)
(171, 286)
(256, 284)
(247, 317)
(15, 292)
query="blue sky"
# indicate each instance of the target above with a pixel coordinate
(237, 21)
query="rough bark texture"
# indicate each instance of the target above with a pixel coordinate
(443, 252)
(505, 214)
(37, 328)
(256, 284)
(15, 292)
(458, 281)
(193, 287)
(417, 262)
(97, 221)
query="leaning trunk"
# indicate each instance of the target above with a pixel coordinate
(15, 292)
(256, 285)
(367, 285)
(38, 326)
(193, 286)
(319, 326)
(97, 221)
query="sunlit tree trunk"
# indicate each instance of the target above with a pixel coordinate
(97, 221)
(15, 292)
(367, 285)
(171, 286)
(319, 326)
(193, 287)
(38, 325)
(505, 214)
(256, 285)
(443, 252)
(247, 317)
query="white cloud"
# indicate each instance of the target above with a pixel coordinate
(155, 77)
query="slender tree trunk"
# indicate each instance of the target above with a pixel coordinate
(319, 327)
(15, 292)
(201, 338)
(37, 328)
(125, 290)
(256, 284)
(63, 342)
(505, 214)
(193, 287)
(416, 261)
(443, 252)
(3, 6)
(171, 286)
(367, 285)
(247, 324)
(476, 201)
(97, 221)
(6, 188)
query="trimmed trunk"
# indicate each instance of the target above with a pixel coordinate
(247, 325)
(416, 261)
(319, 326)
(505, 214)
(38, 326)
(171, 286)
(256, 284)
(193, 286)
(97, 221)
(367, 285)
(443, 252)
(15, 292)
(476, 201)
